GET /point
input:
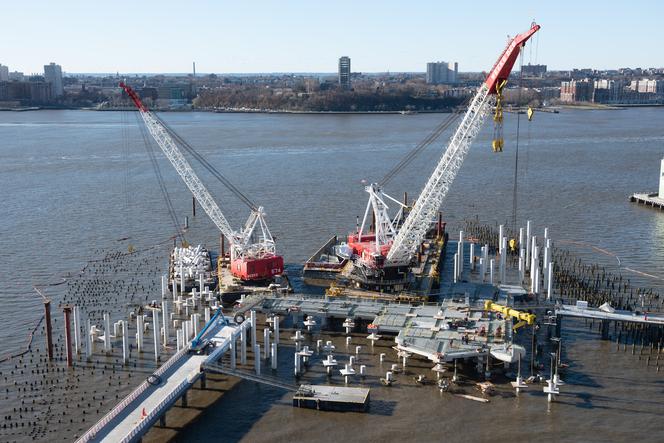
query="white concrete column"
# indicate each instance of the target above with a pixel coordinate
(501, 233)
(178, 339)
(491, 266)
(164, 286)
(139, 332)
(107, 332)
(528, 245)
(266, 343)
(276, 329)
(257, 358)
(482, 270)
(164, 307)
(200, 283)
(77, 330)
(273, 356)
(456, 266)
(175, 289)
(232, 351)
(182, 284)
(471, 258)
(503, 259)
(252, 316)
(125, 343)
(297, 364)
(460, 251)
(549, 281)
(88, 337)
(243, 346)
(156, 328)
(207, 314)
(194, 323)
(520, 238)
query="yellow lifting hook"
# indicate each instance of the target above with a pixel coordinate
(498, 142)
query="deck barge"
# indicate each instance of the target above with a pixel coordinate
(332, 398)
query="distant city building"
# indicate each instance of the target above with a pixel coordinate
(16, 76)
(439, 73)
(576, 91)
(53, 75)
(533, 70)
(344, 72)
(645, 86)
(4, 73)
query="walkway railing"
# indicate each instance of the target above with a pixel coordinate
(147, 421)
(106, 419)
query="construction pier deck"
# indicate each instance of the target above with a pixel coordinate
(652, 199)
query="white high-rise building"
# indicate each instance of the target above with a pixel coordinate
(441, 73)
(4, 73)
(53, 75)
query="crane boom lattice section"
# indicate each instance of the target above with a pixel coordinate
(187, 174)
(425, 208)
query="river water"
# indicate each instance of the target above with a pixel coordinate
(77, 181)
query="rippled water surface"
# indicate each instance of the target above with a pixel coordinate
(76, 181)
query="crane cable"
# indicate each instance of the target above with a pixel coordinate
(516, 155)
(160, 179)
(433, 136)
(207, 165)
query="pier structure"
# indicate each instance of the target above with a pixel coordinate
(653, 199)
(148, 403)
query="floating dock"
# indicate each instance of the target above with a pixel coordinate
(332, 398)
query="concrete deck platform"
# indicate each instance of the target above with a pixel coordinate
(652, 199)
(332, 398)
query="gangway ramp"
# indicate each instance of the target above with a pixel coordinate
(141, 409)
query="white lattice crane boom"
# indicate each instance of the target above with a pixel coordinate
(243, 249)
(414, 228)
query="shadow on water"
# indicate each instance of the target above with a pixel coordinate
(382, 407)
(234, 414)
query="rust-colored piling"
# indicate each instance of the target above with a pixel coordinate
(49, 329)
(193, 206)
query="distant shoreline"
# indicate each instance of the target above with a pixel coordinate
(555, 109)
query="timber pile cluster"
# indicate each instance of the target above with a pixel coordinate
(44, 400)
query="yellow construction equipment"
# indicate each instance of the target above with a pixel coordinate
(524, 318)
(498, 142)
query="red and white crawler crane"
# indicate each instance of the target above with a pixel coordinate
(392, 245)
(250, 260)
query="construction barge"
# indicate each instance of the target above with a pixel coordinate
(335, 266)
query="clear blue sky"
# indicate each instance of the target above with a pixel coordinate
(299, 36)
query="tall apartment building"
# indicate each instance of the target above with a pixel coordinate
(440, 73)
(576, 91)
(645, 86)
(344, 72)
(533, 70)
(53, 75)
(4, 73)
